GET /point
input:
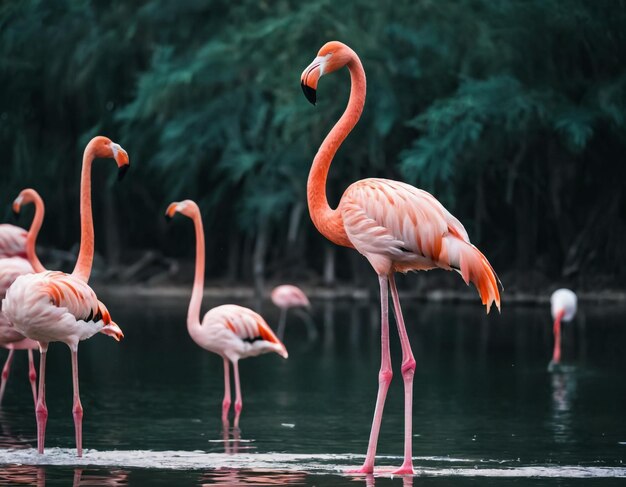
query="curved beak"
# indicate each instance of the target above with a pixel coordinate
(121, 158)
(113, 331)
(309, 78)
(171, 210)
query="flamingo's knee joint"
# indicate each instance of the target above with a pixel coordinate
(408, 368)
(385, 376)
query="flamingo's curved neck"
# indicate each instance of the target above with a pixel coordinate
(82, 270)
(556, 354)
(31, 239)
(193, 315)
(326, 220)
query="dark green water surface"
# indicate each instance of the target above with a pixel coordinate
(486, 410)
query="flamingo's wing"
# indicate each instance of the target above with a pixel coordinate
(399, 227)
(12, 241)
(246, 324)
(75, 295)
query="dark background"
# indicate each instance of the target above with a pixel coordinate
(512, 113)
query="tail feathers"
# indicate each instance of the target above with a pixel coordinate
(267, 334)
(475, 268)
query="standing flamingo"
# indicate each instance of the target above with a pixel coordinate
(397, 227)
(288, 296)
(58, 307)
(12, 241)
(10, 269)
(232, 332)
(563, 303)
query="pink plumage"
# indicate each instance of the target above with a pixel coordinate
(12, 241)
(289, 296)
(230, 331)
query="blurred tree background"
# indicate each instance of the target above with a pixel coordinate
(511, 112)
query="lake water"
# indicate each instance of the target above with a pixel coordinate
(486, 410)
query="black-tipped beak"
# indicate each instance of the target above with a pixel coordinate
(121, 172)
(310, 93)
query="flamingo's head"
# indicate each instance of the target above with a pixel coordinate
(105, 148)
(332, 56)
(187, 207)
(27, 195)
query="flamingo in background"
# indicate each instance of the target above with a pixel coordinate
(397, 227)
(288, 296)
(232, 332)
(10, 269)
(563, 303)
(58, 307)
(12, 241)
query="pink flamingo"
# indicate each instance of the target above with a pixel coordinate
(58, 307)
(10, 269)
(232, 332)
(12, 241)
(398, 228)
(563, 303)
(288, 296)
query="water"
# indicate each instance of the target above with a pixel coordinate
(486, 411)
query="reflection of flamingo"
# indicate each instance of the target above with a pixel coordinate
(395, 226)
(563, 306)
(237, 477)
(59, 307)
(288, 296)
(232, 332)
(10, 268)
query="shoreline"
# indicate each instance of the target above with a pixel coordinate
(172, 291)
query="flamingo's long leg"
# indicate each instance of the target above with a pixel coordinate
(226, 400)
(5, 373)
(32, 375)
(556, 354)
(408, 371)
(41, 411)
(384, 377)
(77, 409)
(238, 400)
(280, 331)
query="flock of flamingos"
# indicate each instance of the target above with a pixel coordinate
(397, 227)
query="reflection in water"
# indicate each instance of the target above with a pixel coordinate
(36, 476)
(7, 438)
(232, 446)
(563, 393)
(238, 477)
(370, 480)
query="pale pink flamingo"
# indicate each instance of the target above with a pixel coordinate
(397, 227)
(230, 331)
(58, 307)
(12, 241)
(288, 296)
(563, 304)
(10, 269)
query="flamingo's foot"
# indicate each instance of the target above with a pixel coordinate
(365, 469)
(405, 470)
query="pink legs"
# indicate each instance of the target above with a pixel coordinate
(32, 375)
(226, 401)
(41, 411)
(77, 409)
(384, 378)
(5, 373)
(238, 401)
(408, 371)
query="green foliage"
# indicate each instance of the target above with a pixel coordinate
(498, 107)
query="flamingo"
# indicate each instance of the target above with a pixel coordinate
(12, 241)
(10, 269)
(55, 306)
(230, 331)
(288, 296)
(563, 303)
(397, 227)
